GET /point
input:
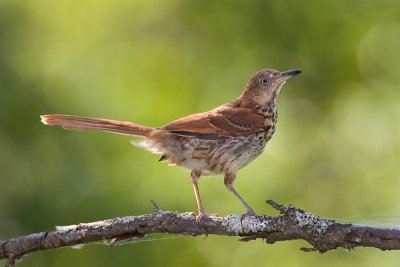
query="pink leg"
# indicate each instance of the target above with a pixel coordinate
(195, 179)
(228, 180)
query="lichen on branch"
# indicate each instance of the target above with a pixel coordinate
(292, 223)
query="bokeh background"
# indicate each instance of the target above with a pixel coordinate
(336, 151)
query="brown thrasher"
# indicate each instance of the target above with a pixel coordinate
(222, 140)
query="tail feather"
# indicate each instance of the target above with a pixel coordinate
(69, 122)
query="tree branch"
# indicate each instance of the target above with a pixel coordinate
(322, 234)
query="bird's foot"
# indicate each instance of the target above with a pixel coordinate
(204, 216)
(249, 213)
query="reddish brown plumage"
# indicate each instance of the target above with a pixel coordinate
(69, 122)
(222, 140)
(228, 120)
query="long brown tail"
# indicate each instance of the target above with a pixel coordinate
(81, 123)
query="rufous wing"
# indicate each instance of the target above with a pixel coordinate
(223, 122)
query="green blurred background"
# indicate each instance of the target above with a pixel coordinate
(336, 151)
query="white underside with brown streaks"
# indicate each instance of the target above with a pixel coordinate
(210, 157)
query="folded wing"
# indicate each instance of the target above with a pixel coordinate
(220, 123)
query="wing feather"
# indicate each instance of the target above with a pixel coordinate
(222, 122)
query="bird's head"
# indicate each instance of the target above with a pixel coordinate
(264, 87)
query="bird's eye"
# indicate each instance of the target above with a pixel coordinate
(264, 81)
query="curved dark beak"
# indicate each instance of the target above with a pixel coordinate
(290, 73)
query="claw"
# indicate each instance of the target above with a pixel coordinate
(251, 213)
(247, 214)
(204, 216)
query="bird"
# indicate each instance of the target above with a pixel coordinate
(220, 141)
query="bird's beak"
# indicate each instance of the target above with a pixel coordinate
(290, 73)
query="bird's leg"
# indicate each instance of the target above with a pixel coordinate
(228, 180)
(195, 179)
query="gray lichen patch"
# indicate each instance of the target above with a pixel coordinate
(313, 221)
(255, 224)
(239, 224)
(233, 224)
(125, 220)
(185, 215)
